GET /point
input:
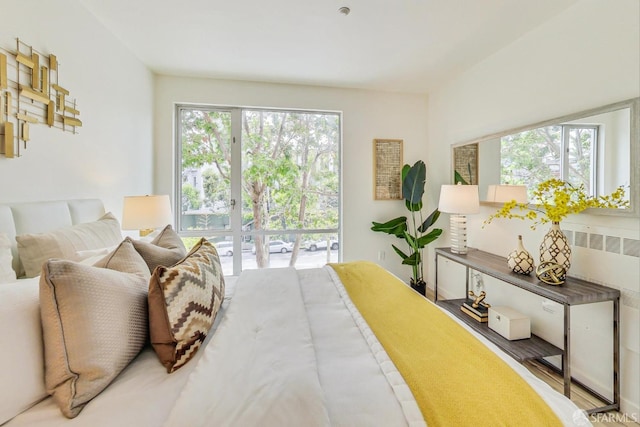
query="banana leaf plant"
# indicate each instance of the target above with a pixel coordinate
(413, 230)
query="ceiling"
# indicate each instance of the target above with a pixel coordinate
(390, 45)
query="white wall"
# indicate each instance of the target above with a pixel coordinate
(586, 57)
(108, 159)
(366, 115)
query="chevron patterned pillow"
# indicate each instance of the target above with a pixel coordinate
(183, 302)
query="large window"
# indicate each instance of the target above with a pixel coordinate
(263, 185)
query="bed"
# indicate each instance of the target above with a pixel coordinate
(286, 347)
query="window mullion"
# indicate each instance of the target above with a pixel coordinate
(564, 151)
(236, 188)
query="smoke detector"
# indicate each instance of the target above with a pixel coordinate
(344, 10)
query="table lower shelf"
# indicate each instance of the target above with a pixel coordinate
(521, 350)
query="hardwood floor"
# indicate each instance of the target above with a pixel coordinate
(579, 396)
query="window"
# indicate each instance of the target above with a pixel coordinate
(566, 152)
(262, 184)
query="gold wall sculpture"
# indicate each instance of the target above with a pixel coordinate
(3, 71)
(31, 94)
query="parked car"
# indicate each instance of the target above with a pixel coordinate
(321, 244)
(277, 246)
(225, 248)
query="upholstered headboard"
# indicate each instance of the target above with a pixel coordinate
(41, 217)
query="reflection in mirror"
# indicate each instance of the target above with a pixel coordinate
(505, 193)
(596, 148)
(593, 152)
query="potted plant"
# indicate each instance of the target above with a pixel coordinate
(414, 229)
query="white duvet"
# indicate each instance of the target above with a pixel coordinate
(298, 359)
(289, 350)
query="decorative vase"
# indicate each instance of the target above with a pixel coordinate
(555, 247)
(520, 260)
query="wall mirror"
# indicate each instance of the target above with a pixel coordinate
(599, 148)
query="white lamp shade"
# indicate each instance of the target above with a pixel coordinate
(507, 193)
(145, 212)
(459, 199)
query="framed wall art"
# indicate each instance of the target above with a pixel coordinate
(387, 169)
(465, 164)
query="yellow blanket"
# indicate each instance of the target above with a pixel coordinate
(456, 380)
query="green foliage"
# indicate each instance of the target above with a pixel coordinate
(414, 233)
(190, 241)
(217, 190)
(457, 178)
(396, 226)
(290, 177)
(413, 179)
(190, 198)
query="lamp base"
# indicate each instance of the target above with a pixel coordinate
(146, 232)
(458, 228)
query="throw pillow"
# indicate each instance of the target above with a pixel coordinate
(21, 367)
(165, 249)
(90, 253)
(94, 322)
(7, 275)
(183, 302)
(126, 259)
(35, 249)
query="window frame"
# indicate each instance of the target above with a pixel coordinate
(595, 154)
(235, 224)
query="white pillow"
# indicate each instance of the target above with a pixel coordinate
(7, 275)
(90, 253)
(35, 249)
(21, 358)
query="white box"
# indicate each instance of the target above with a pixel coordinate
(509, 323)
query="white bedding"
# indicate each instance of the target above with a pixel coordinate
(298, 359)
(142, 395)
(328, 368)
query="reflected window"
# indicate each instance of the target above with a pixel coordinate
(566, 152)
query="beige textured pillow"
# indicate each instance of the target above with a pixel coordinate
(34, 249)
(126, 259)
(165, 249)
(94, 322)
(183, 303)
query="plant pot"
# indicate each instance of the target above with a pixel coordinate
(420, 286)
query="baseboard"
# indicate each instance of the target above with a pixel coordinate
(630, 409)
(443, 294)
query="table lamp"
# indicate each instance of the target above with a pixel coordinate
(146, 213)
(459, 200)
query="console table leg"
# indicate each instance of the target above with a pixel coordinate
(566, 370)
(466, 284)
(616, 353)
(435, 285)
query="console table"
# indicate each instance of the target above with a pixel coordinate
(572, 292)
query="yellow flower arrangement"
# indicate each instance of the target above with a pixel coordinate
(556, 200)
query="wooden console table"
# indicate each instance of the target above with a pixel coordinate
(572, 292)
